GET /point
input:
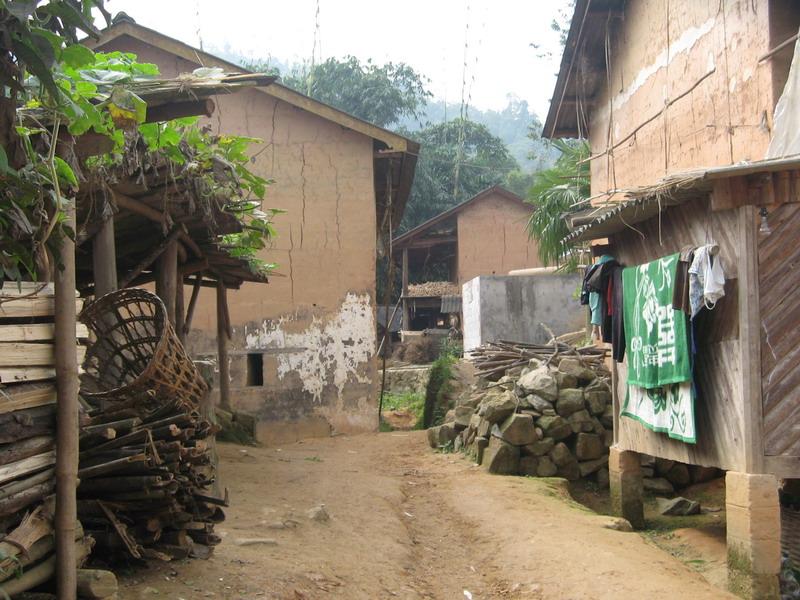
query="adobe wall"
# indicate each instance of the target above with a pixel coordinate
(659, 51)
(314, 322)
(492, 239)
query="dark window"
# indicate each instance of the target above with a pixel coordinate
(255, 369)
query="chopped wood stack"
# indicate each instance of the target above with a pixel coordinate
(493, 359)
(145, 462)
(433, 289)
(27, 437)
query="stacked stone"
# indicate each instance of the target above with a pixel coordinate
(546, 421)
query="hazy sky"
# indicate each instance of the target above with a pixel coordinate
(429, 35)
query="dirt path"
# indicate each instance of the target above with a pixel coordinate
(408, 523)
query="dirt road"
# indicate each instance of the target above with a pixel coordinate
(408, 523)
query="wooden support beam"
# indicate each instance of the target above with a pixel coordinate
(222, 348)
(196, 266)
(180, 310)
(187, 324)
(406, 313)
(167, 278)
(66, 359)
(151, 257)
(178, 110)
(140, 208)
(104, 259)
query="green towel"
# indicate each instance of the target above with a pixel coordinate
(657, 343)
(668, 409)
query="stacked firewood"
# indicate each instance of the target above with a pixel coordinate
(146, 478)
(493, 359)
(27, 445)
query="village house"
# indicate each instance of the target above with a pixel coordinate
(302, 353)
(678, 101)
(485, 235)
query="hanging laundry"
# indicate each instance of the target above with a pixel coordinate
(617, 315)
(680, 296)
(657, 348)
(706, 280)
(667, 409)
(660, 391)
(595, 286)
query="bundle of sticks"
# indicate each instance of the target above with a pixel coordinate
(146, 479)
(493, 359)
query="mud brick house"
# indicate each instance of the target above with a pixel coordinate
(679, 102)
(484, 235)
(302, 353)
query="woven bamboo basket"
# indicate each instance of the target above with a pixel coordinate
(136, 352)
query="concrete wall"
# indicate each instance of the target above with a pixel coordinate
(492, 238)
(512, 308)
(659, 51)
(315, 322)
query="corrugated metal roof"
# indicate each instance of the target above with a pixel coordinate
(451, 304)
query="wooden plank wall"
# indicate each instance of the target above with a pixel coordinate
(779, 281)
(719, 406)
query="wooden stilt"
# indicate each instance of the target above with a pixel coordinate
(104, 259)
(66, 362)
(406, 313)
(222, 348)
(187, 324)
(180, 311)
(167, 278)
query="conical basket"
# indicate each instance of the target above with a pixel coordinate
(136, 351)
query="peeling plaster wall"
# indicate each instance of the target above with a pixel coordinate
(314, 321)
(492, 238)
(658, 52)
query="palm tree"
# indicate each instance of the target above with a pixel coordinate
(557, 192)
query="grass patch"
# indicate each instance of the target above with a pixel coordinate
(410, 402)
(437, 391)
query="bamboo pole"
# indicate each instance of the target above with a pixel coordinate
(167, 278)
(187, 323)
(66, 359)
(180, 311)
(222, 348)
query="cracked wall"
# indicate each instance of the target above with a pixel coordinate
(492, 238)
(322, 296)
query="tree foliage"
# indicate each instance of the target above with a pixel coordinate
(482, 161)
(555, 193)
(380, 94)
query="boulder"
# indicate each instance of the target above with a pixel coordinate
(518, 430)
(597, 426)
(458, 443)
(580, 421)
(528, 465)
(648, 472)
(598, 385)
(588, 446)
(546, 467)
(608, 438)
(565, 380)
(569, 401)
(663, 465)
(479, 445)
(658, 486)
(483, 427)
(679, 475)
(560, 455)
(474, 421)
(602, 478)
(538, 403)
(501, 458)
(450, 416)
(463, 416)
(554, 427)
(618, 524)
(497, 408)
(591, 466)
(539, 448)
(570, 471)
(597, 401)
(702, 474)
(607, 418)
(441, 435)
(540, 382)
(573, 366)
(678, 507)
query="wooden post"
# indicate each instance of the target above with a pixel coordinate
(104, 259)
(167, 278)
(187, 323)
(406, 314)
(180, 311)
(222, 348)
(66, 362)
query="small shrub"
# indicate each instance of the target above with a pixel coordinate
(437, 391)
(419, 351)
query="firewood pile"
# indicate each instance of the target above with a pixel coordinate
(433, 288)
(27, 443)
(493, 359)
(146, 475)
